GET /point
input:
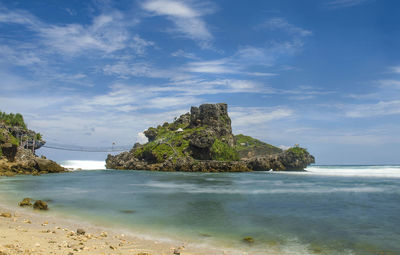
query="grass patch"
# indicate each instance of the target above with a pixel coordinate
(168, 143)
(223, 152)
(298, 151)
(245, 144)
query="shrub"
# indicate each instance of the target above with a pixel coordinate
(223, 152)
(13, 119)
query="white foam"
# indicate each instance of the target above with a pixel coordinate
(355, 171)
(84, 164)
(292, 188)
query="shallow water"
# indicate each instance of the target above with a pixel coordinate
(328, 210)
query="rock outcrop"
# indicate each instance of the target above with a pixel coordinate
(202, 141)
(16, 145)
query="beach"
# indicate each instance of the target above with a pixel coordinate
(36, 232)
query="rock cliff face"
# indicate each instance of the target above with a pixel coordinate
(16, 144)
(202, 140)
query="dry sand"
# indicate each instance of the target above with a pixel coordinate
(24, 232)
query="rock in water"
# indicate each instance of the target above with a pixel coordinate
(248, 239)
(49, 166)
(202, 141)
(25, 202)
(40, 205)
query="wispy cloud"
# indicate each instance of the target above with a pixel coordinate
(389, 83)
(245, 116)
(282, 24)
(184, 54)
(107, 33)
(394, 69)
(186, 16)
(343, 3)
(381, 108)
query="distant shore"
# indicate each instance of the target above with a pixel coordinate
(35, 232)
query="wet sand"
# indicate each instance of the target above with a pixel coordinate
(36, 232)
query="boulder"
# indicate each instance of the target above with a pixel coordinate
(40, 205)
(25, 202)
(80, 231)
(45, 165)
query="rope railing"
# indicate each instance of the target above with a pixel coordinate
(86, 149)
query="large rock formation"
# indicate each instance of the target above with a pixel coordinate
(202, 140)
(16, 145)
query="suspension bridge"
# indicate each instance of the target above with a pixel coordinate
(67, 147)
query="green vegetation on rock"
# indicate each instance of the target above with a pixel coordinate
(223, 152)
(298, 151)
(38, 136)
(202, 141)
(248, 146)
(12, 119)
(167, 142)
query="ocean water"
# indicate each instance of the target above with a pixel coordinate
(327, 210)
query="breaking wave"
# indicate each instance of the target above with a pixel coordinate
(84, 164)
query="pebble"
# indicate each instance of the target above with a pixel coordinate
(103, 234)
(5, 215)
(80, 231)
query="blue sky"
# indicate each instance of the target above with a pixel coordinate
(324, 73)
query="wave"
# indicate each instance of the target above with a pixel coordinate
(84, 164)
(195, 189)
(354, 171)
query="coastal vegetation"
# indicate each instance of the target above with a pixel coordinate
(202, 140)
(248, 146)
(16, 120)
(17, 147)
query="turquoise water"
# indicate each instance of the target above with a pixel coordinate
(328, 210)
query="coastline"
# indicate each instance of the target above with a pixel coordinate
(38, 232)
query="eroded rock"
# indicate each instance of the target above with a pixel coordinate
(40, 205)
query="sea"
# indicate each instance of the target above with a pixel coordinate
(325, 210)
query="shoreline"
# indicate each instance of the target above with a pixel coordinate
(38, 232)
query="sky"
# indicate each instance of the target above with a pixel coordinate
(324, 74)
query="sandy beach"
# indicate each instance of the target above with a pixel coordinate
(36, 232)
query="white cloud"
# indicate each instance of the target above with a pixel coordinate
(284, 147)
(389, 83)
(247, 116)
(187, 18)
(283, 24)
(218, 86)
(220, 66)
(381, 108)
(107, 33)
(141, 138)
(395, 69)
(140, 45)
(343, 3)
(184, 54)
(22, 56)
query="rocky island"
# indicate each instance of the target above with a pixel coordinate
(202, 141)
(17, 148)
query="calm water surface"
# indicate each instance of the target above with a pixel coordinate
(329, 210)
